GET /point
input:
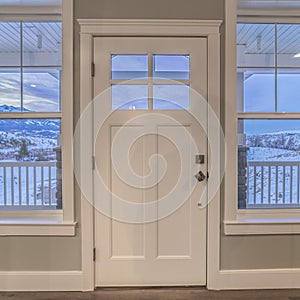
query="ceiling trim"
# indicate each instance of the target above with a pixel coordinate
(31, 10)
(268, 12)
(268, 4)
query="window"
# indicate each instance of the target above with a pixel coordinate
(30, 115)
(262, 119)
(162, 84)
(268, 104)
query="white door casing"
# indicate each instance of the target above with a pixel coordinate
(171, 250)
(90, 28)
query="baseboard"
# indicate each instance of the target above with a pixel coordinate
(13, 281)
(256, 279)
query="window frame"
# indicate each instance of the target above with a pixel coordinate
(249, 221)
(61, 222)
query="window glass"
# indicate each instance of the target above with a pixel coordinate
(255, 45)
(288, 52)
(10, 90)
(256, 90)
(269, 163)
(129, 66)
(171, 67)
(288, 92)
(30, 149)
(42, 43)
(10, 44)
(129, 97)
(41, 89)
(173, 97)
(29, 174)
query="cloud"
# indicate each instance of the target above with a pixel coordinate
(40, 90)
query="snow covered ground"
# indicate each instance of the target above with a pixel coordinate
(272, 154)
(22, 181)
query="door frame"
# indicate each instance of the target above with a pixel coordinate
(90, 28)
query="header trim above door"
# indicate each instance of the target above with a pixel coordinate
(153, 27)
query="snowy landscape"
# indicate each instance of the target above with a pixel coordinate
(274, 168)
(27, 161)
(28, 164)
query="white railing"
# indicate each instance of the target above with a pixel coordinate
(27, 185)
(273, 184)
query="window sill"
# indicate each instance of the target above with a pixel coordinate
(262, 226)
(36, 227)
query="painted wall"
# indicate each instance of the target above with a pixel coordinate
(63, 253)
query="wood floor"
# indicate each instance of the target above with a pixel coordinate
(158, 294)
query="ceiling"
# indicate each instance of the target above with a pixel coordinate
(30, 2)
(260, 38)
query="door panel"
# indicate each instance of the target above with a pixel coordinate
(169, 250)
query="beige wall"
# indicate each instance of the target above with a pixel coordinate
(39, 253)
(150, 9)
(63, 253)
(260, 252)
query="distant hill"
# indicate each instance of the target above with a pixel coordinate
(286, 140)
(48, 128)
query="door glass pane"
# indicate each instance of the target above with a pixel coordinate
(174, 97)
(255, 45)
(30, 177)
(288, 97)
(129, 97)
(10, 90)
(10, 44)
(256, 90)
(42, 43)
(129, 66)
(171, 66)
(288, 45)
(41, 88)
(269, 163)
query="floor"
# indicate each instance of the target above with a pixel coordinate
(158, 294)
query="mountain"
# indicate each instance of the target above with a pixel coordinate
(9, 108)
(286, 140)
(46, 128)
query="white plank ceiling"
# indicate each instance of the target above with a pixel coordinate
(37, 37)
(260, 38)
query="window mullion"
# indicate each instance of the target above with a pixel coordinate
(150, 84)
(21, 66)
(276, 70)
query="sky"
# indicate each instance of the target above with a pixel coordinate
(41, 90)
(259, 96)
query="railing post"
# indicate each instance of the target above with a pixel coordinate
(58, 178)
(242, 176)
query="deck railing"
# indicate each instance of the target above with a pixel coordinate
(273, 184)
(27, 185)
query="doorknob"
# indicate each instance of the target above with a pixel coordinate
(200, 176)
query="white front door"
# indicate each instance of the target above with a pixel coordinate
(149, 228)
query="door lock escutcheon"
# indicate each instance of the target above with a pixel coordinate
(200, 159)
(200, 176)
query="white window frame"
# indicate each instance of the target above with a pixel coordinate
(249, 221)
(51, 223)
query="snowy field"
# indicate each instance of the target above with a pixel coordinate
(272, 154)
(28, 162)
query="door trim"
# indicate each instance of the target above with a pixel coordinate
(90, 28)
